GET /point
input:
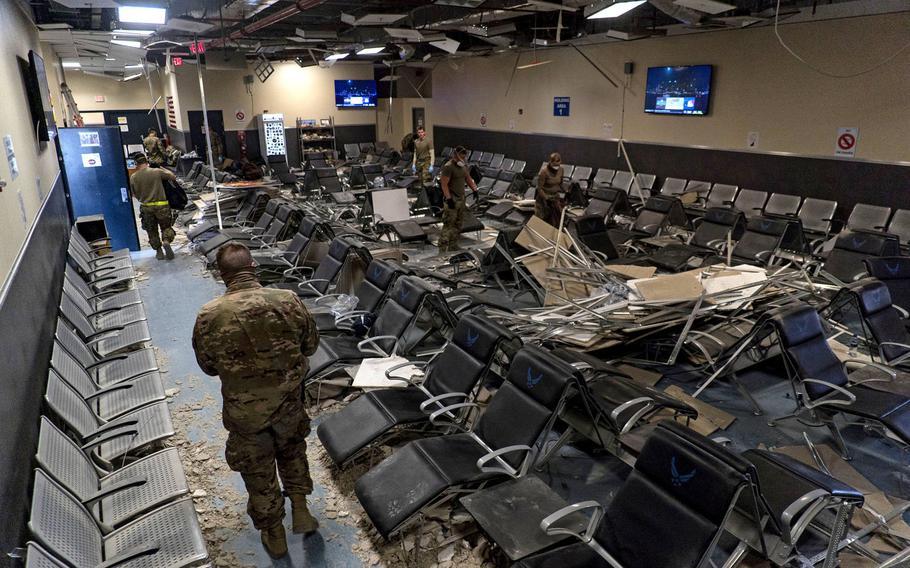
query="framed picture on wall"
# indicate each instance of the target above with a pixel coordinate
(325, 122)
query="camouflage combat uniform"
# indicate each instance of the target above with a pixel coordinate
(154, 212)
(423, 153)
(453, 217)
(547, 203)
(154, 150)
(257, 339)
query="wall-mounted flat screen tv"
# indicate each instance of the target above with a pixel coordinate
(355, 93)
(678, 90)
(39, 98)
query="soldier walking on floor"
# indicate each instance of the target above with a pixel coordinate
(453, 178)
(257, 341)
(147, 186)
(423, 157)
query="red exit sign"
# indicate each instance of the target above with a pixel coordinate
(178, 61)
(197, 47)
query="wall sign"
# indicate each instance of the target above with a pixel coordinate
(847, 137)
(561, 106)
(92, 160)
(239, 115)
(11, 157)
(483, 119)
(752, 139)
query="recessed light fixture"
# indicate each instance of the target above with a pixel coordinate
(140, 33)
(141, 15)
(370, 50)
(134, 66)
(71, 65)
(131, 77)
(611, 8)
(126, 43)
(336, 56)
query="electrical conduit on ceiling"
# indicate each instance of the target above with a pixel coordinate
(262, 23)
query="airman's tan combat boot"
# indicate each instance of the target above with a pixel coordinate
(303, 521)
(275, 541)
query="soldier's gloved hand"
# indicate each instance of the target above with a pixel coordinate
(451, 202)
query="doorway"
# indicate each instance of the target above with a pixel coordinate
(418, 118)
(197, 130)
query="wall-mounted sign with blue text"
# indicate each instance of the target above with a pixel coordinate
(561, 106)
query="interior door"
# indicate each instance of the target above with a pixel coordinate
(197, 129)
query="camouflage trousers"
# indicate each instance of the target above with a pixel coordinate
(423, 172)
(452, 221)
(550, 210)
(157, 218)
(254, 457)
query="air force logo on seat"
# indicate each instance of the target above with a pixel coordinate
(470, 340)
(403, 295)
(532, 380)
(677, 478)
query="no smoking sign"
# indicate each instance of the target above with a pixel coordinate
(846, 142)
(239, 115)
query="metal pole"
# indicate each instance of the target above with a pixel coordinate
(208, 140)
(148, 78)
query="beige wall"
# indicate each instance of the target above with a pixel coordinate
(292, 90)
(392, 129)
(757, 87)
(37, 163)
(129, 95)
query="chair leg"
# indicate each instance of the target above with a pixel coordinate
(737, 555)
(756, 409)
(563, 439)
(838, 439)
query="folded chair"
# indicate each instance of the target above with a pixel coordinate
(379, 279)
(608, 202)
(822, 386)
(106, 317)
(763, 237)
(894, 271)
(669, 513)
(105, 370)
(410, 297)
(113, 499)
(241, 230)
(452, 376)
(713, 231)
(108, 402)
(110, 442)
(103, 300)
(500, 445)
(248, 213)
(167, 536)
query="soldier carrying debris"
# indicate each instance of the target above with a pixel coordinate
(257, 341)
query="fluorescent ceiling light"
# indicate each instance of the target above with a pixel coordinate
(141, 15)
(336, 56)
(141, 33)
(131, 77)
(109, 59)
(614, 9)
(135, 66)
(126, 43)
(448, 45)
(370, 50)
(707, 6)
(71, 65)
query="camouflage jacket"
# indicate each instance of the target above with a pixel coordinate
(257, 341)
(154, 149)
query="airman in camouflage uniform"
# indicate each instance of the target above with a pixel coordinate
(423, 157)
(257, 341)
(453, 178)
(154, 148)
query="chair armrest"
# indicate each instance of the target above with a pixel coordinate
(114, 488)
(797, 516)
(375, 349)
(105, 361)
(102, 333)
(110, 389)
(646, 401)
(851, 398)
(439, 397)
(106, 435)
(309, 284)
(319, 301)
(892, 374)
(505, 467)
(390, 370)
(293, 271)
(447, 411)
(597, 514)
(349, 315)
(131, 554)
